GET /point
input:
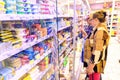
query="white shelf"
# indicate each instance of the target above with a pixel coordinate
(64, 40)
(69, 39)
(64, 16)
(65, 57)
(64, 49)
(44, 72)
(61, 41)
(63, 28)
(12, 52)
(4, 17)
(23, 70)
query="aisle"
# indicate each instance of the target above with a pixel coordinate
(112, 70)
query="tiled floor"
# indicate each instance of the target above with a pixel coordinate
(112, 69)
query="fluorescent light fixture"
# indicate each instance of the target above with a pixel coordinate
(100, 1)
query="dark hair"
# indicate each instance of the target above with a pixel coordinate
(100, 15)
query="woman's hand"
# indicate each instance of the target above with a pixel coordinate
(83, 32)
(81, 29)
(90, 68)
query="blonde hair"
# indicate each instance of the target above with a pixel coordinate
(100, 15)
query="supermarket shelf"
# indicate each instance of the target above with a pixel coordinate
(50, 78)
(64, 16)
(8, 54)
(65, 57)
(64, 49)
(61, 41)
(63, 28)
(23, 70)
(64, 39)
(4, 17)
(44, 72)
(69, 39)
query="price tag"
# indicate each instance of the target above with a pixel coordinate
(11, 17)
(17, 17)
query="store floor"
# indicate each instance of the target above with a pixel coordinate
(112, 69)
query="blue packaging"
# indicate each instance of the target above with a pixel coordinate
(45, 47)
(9, 11)
(34, 12)
(49, 30)
(30, 54)
(30, 49)
(7, 73)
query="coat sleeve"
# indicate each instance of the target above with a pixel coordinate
(97, 47)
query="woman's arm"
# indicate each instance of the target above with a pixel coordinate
(83, 32)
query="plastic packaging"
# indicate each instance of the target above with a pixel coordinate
(7, 73)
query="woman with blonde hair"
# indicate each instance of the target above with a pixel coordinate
(99, 43)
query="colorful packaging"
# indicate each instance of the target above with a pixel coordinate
(26, 77)
(2, 9)
(10, 6)
(1, 77)
(13, 62)
(7, 73)
(42, 65)
(34, 8)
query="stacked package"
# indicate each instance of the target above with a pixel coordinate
(10, 36)
(10, 6)
(2, 7)
(34, 8)
(23, 6)
(44, 64)
(13, 62)
(6, 73)
(22, 33)
(44, 7)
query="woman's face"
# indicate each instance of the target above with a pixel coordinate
(95, 22)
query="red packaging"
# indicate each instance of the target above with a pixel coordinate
(24, 60)
(42, 65)
(41, 50)
(36, 48)
(49, 45)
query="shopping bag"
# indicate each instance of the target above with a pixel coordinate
(95, 76)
